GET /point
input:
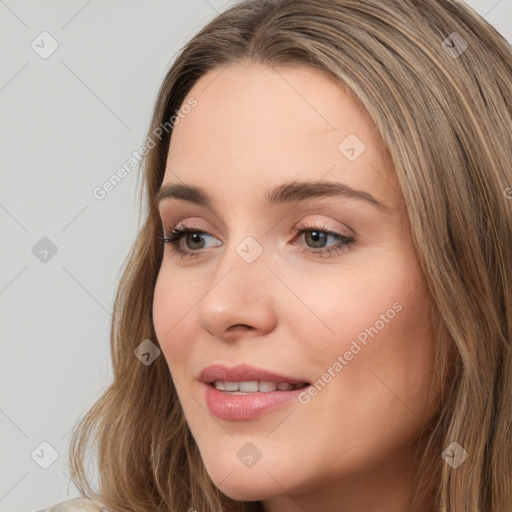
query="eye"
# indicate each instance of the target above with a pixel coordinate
(317, 235)
(178, 233)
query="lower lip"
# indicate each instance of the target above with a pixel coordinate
(227, 406)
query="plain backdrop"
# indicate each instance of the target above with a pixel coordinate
(78, 80)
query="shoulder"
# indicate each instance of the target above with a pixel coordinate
(77, 505)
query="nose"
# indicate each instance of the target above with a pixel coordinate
(240, 300)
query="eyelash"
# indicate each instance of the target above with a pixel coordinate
(175, 235)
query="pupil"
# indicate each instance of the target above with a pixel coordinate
(317, 236)
(197, 238)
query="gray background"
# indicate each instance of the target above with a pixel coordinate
(67, 123)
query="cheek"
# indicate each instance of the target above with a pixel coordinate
(377, 297)
(370, 342)
(376, 396)
(173, 320)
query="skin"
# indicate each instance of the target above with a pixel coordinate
(351, 447)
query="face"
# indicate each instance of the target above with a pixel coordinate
(316, 286)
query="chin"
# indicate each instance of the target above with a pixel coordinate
(247, 487)
(241, 483)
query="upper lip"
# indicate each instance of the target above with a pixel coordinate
(243, 373)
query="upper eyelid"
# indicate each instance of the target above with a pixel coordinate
(162, 214)
(168, 206)
(184, 221)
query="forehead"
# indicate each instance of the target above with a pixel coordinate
(259, 125)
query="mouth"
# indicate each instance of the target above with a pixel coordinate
(245, 392)
(247, 377)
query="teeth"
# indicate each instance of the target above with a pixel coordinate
(254, 386)
(248, 387)
(266, 386)
(231, 386)
(219, 385)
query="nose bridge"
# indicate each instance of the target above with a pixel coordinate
(239, 293)
(247, 237)
(242, 269)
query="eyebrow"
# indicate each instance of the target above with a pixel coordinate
(281, 194)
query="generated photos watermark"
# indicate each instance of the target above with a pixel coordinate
(101, 191)
(343, 360)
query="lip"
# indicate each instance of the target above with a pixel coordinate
(241, 373)
(230, 407)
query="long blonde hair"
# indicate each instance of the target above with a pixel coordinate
(436, 80)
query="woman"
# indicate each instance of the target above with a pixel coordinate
(340, 339)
